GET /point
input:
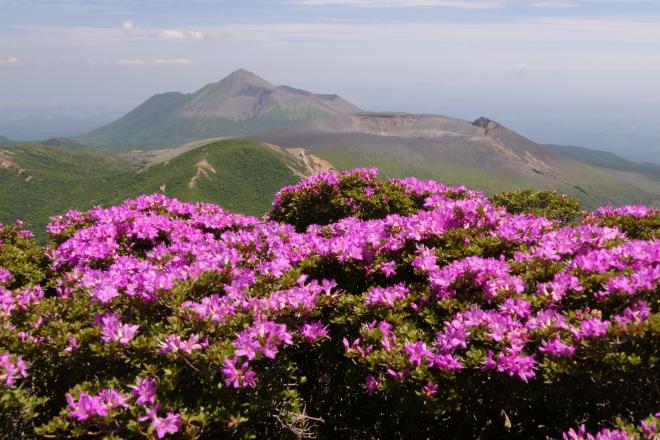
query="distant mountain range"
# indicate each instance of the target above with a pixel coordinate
(177, 144)
(240, 104)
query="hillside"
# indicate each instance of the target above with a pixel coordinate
(242, 103)
(481, 154)
(6, 142)
(240, 176)
(38, 181)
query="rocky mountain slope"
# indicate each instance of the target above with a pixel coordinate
(242, 103)
(482, 154)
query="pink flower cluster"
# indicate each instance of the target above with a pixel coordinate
(328, 179)
(11, 368)
(648, 429)
(20, 299)
(634, 211)
(86, 405)
(102, 404)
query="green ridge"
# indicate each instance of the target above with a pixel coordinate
(246, 179)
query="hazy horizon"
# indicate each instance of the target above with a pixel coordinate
(582, 72)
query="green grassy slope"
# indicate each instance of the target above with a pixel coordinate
(55, 179)
(244, 177)
(596, 186)
(150, 130)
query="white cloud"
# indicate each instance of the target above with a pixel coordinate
(128, 25)
(549, 31)
(133, 62)
(10, 60)
(178, 34)
(173, 61)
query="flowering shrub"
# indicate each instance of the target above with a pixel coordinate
(426, 312)
(21, 257)
(328, 197)
(637, 222)
(547, 203)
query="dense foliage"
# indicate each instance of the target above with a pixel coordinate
(546, 203)
(328, 197)
(22, 257)
(418, 311)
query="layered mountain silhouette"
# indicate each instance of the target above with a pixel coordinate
(240, 104)
(481, 154)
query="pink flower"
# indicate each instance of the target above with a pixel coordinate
(86, 406)
(112, 330)
(372, 383)
(174, 344)
(388, 268)
(387, 295)
(145, 391)
(5, 275)
(313, 330)
(73, 345)
(11, 368)
(169, 424)
(417, 353)
(242, 377)
(430, 389)
(556, 347)
(399, 376)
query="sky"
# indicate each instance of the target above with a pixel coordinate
(585, 72)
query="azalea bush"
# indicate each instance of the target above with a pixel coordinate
(547, 203)
(20, 255)
(330, 196)
(638, 222)
(359, 308)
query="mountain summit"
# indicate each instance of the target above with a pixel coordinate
(243, 95)
(242, 103)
